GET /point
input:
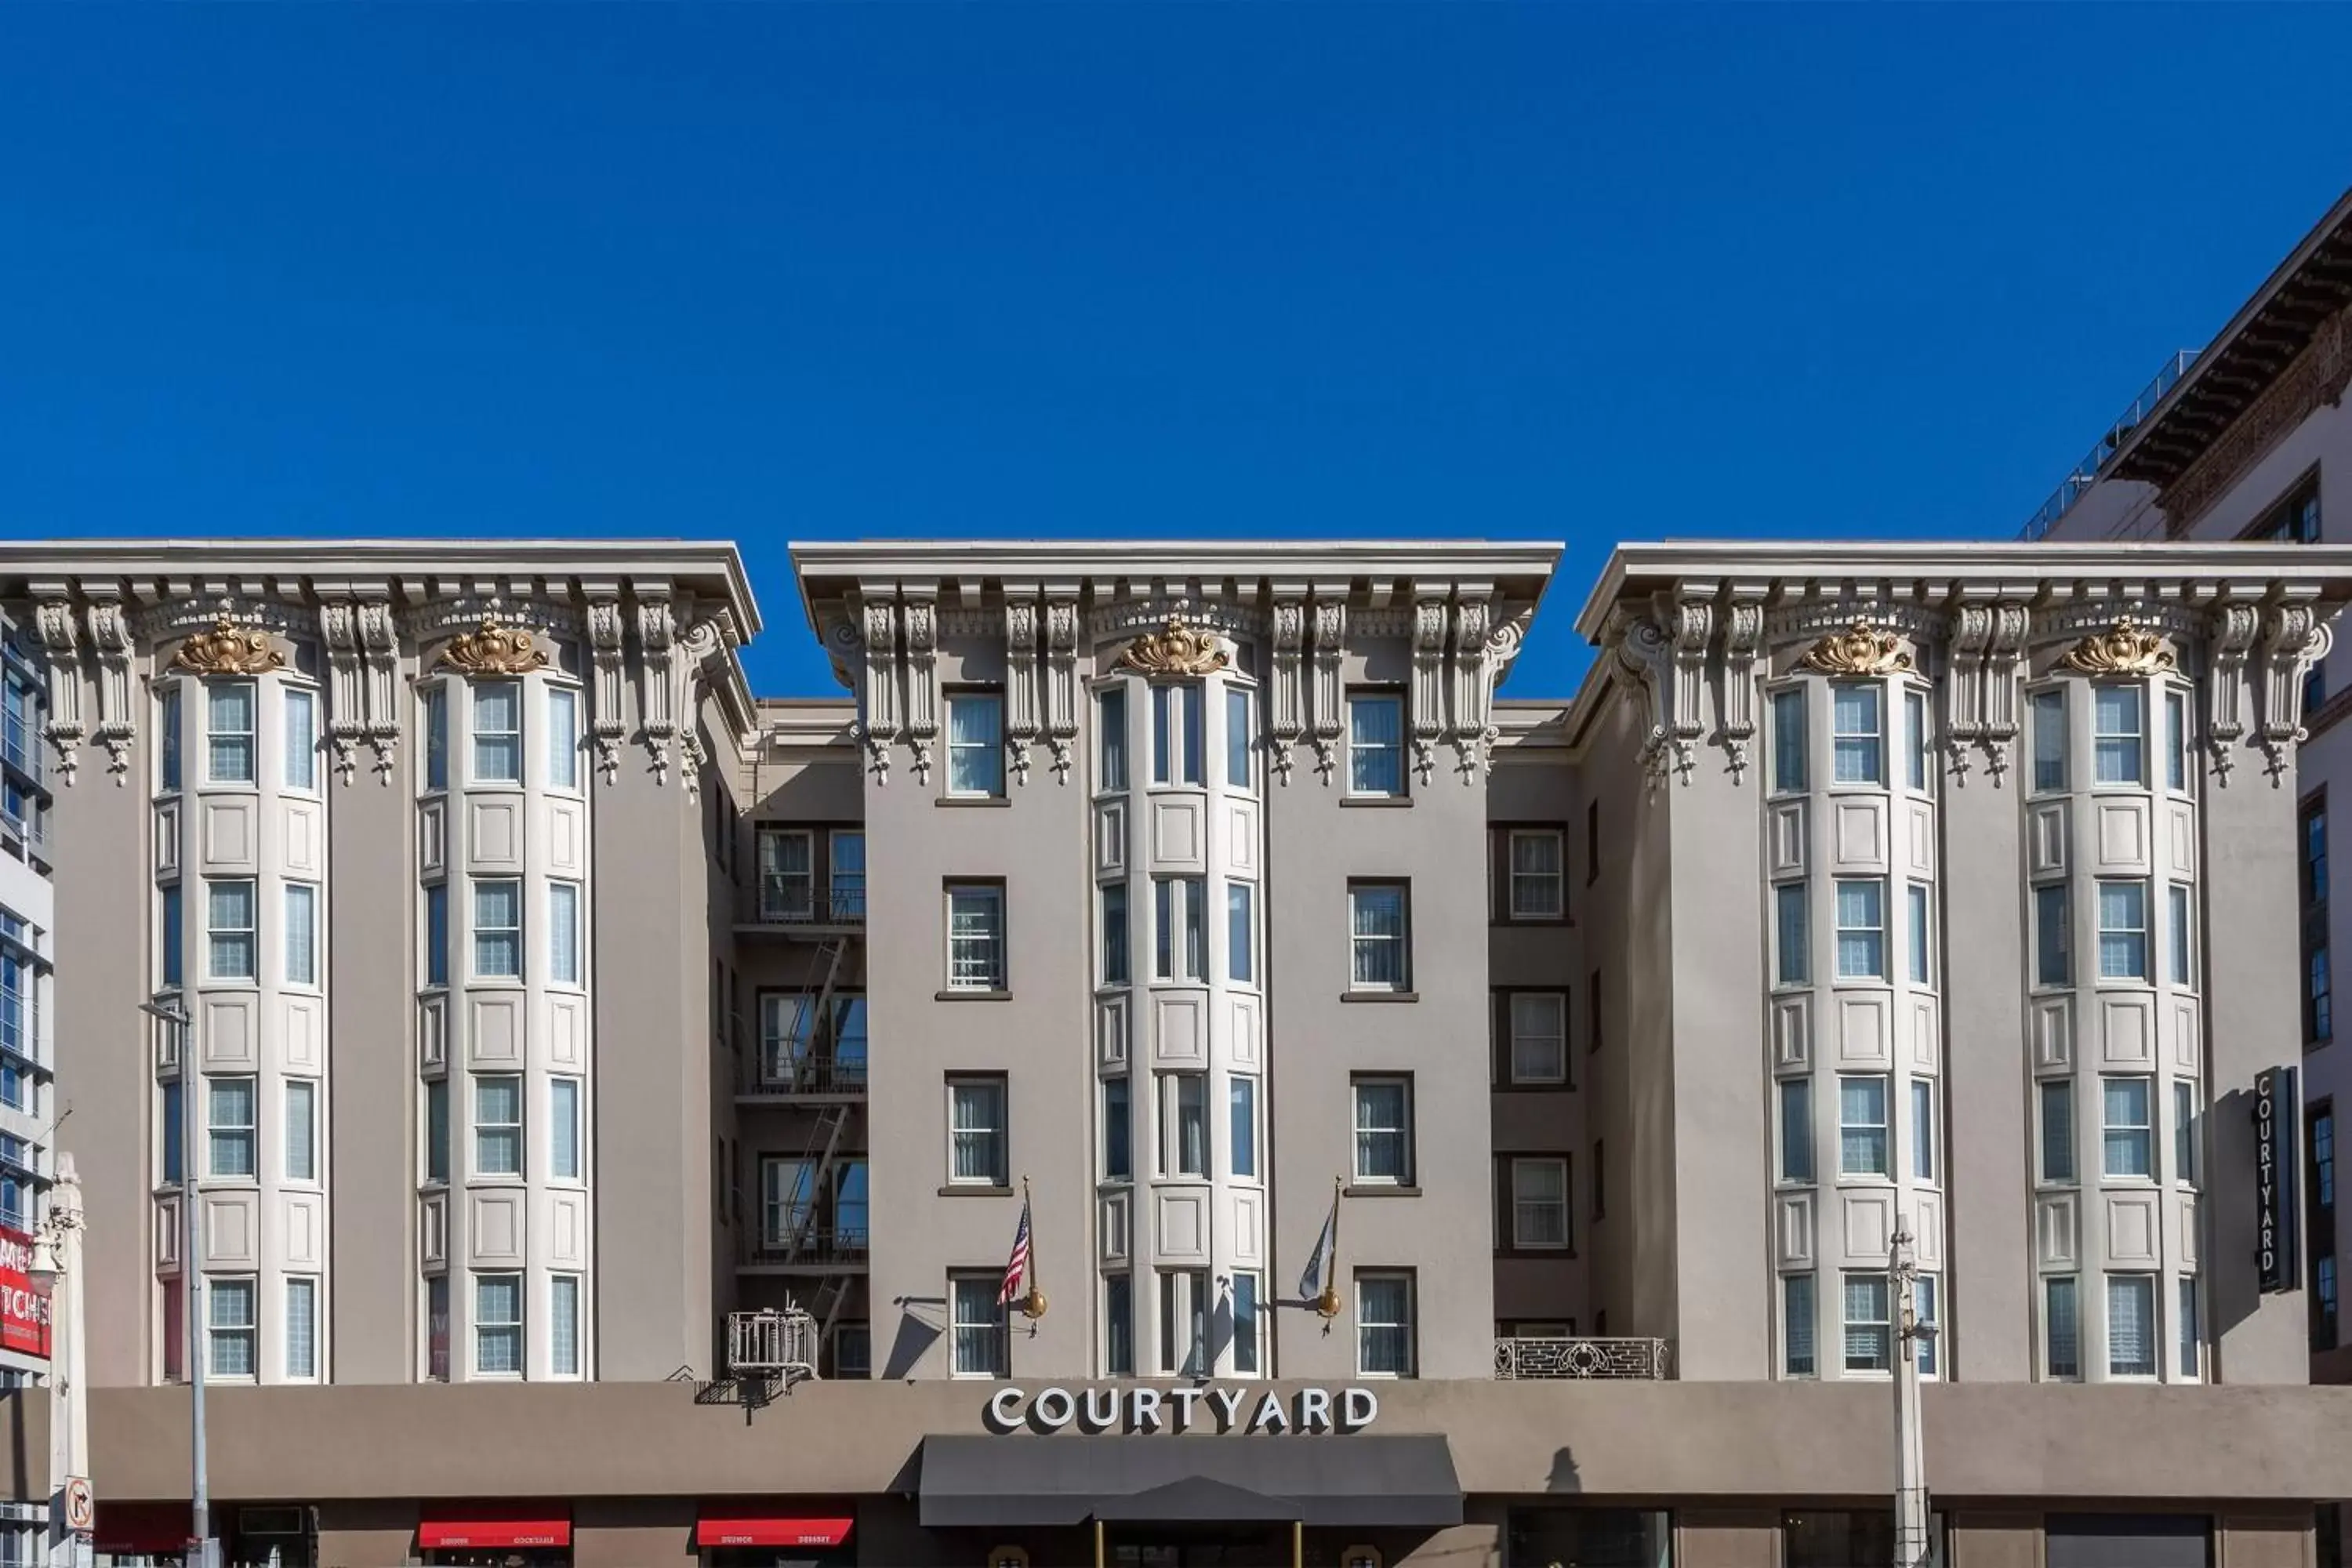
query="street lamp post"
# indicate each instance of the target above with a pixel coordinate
(1913, 1548)
(201, 1550)
(56, 1276)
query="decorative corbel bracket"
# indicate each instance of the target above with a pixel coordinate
(877, 619)
(379, 662)
(1062, 678)
(2235, 627)
(922, 622)
(1743, 635)
(109, 637)
(609, 728)
(1964, 692)
(1327, 701)
(656, 636)
(2294, 639)
(63, 729)
(1645, 658)
(1284, 708)
(1019, 684)
(346, 718)
(2005, 648)
(1428, 705)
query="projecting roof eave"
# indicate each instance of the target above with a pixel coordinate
(2269, 331)
(826, 568)
(708, 566)
(1773, 570)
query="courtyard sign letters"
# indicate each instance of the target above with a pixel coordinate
(2278, 1115)
(1242, 1410)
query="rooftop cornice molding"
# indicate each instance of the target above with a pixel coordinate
(1935, 574)
(358, 567)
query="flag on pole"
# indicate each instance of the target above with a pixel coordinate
(1319, 1283)
(1018, 1263)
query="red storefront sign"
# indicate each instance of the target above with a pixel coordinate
(24, 1315)
(770, 1531)
(493, 1532)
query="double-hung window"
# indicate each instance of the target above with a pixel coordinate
(1796, 1358)
(2118, 735)
(1796, 1129)
(497, 1125)
(167, 738)
(563, 738)
(978, 1155)
(498, 732)
(436, 934)
(1861, 928)
(1113, 896)
(302, 934)
(1918, 760)
(301, 1130)
(1118, 1130)
(2177, 740)
(845, 878)
(1238, 737)
(1384, 1330)
(2123, 930)
(229, 731)
(563, 933)
(301, 715)
(1111, 718)
(1178, 937)
(1792, 957)
(2052, 939)
(301, 1328)
(1241, 1129)
(1538, 1036)
(1383, 1132)
(1376, 743)
(977, 1325)
(1537, 874)
(1176, 733)
(2061, 1327)
(2131, 1325)
(1862, 1126)
(787, 873)
(498, 930)
(564, 1129)
(1857, 733)
(975, 936)
(2180, 940)
(436, 737)
(1788, 741)
(1923, 1129)
(230, 941)
(1380, 935)
(2047, 709)
(229, 1123)
(497, 1324)
(230, 1331)
(2057, 1098)
(564, 1325)
(2129, 1130)
(1539, 1203)
(1241, 934)
(976, 744)
(1184, 1322)
(1869, 1324)
(1184, 1124)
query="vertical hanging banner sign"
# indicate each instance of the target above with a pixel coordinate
(2278, 1122)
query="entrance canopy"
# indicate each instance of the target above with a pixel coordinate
(1394, 1482)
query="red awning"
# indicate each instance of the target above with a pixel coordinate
(140, 1529)
(770, 1531)
(456, 1532)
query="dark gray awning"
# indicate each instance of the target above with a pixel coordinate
(1396, 1482)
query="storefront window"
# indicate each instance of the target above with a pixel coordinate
(1590, 1537)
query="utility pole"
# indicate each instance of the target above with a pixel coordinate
(1912, 1545)
(201, 1552)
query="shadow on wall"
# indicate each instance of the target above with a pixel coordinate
(921, 1320)
(1564, 1477)
(2231, 1295)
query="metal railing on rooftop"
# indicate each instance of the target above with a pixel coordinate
(2086, 473)
(1527, 1358)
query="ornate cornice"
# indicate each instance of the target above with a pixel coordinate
(2124, 648)
(229, 649)
(1120, 617)
(1177, 650)
(493, 648)
(2317, 377)
(1860, 649)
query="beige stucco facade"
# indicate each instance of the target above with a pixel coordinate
(1187, 894)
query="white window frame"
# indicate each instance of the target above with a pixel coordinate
(982, 1284)
(224, 1135)
(225, 1327)
(2053, 1286)
(1367, 1325)
(503, 743)
(1241, 933)
(2144, 1285)
(1883, 1325)
(1179, 743)
(2179, 763)
(1241, 734)
(1790, 766)
(1921, 1097)
(2053, 935)
(1792, 1117)
(1181, 1157)
(300, 1110)
(990, 1134)
(1792, 955)
(1551, 1069)
(301, 760)
(488, 1132)
(1918, 748)
(563, 737)
(1404, 1135)
(2142, 1131)
(2046, 759)
(1848, 1128)
(506, 1328)
(1919, 941)
(2129, 744)
(301, 932)
(221, 741)
(2181, 938)
(481, 930)
(302, 1329)
(1362, 944)
(1526, 1209)
(2184, 1132)
(1537, 894)
(2142, 972)
(564, 1325)
(1180, 928)
(976, 768)
(844, 890)
(2047, 1092)
(564, 1162)
(1842, 740)
(1187, 1321)
(246, 937)
(563, 934)
(785, 894)
(1391, 753)
(1874, 932)
(1807, 1312)
(982, 967)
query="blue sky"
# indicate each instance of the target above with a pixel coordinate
(770, 271)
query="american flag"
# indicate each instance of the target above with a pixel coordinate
(1018, 1263)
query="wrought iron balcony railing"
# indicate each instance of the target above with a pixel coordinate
(811, 1246)
(1518, 1360)
(793, 899)
(779, 1072)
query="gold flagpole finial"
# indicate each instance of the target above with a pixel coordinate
(1033, 1305)
(1327, 1305)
